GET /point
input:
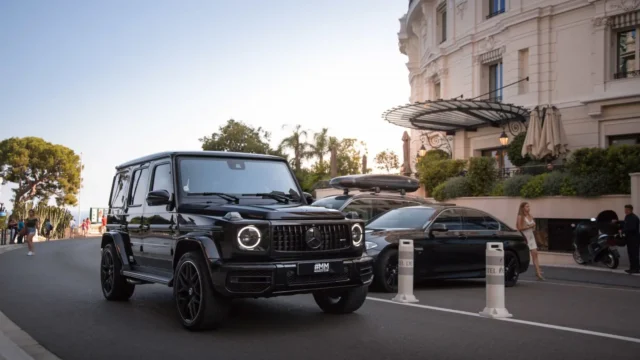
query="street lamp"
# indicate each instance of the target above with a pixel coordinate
(423, 151)
(504, 139)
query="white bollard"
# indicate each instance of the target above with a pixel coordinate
(405, 273)
(495, 282)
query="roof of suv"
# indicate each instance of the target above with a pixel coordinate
(164, 154)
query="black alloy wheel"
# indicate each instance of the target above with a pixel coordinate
(511, 269)
(342, 302)
(189, 291)
(114, 285)
(199, 306)
(386, 271)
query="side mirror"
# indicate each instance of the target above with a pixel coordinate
(437, 227)
(158, 197)
(308, 197)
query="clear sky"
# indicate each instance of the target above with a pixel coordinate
(120, 79)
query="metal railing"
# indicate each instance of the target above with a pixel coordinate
(505, 173)
(626, 74)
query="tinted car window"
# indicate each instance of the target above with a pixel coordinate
(235, 176)
(452, 218)
(162, 179)
(405, 218)
(119, 191)
(331, 202)
(477, 220)
(362, 207)
(381, 205)
(140, 181)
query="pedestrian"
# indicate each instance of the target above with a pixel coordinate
(13, 229)
(72, 225)
(103, 228)
(525, 223)
(20, 231)
(47, 229)
(631, 230)
(32, 224)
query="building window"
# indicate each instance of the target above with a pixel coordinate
(627, 47)
(495, 81)
(496, 7)
(502, 159)
(630, 139)
(442, 22)
(436, 91)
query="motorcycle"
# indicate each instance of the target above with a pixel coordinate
(597, 240)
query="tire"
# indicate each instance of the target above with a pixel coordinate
(344, 302)
(386, 271)
(611, 261)
(577, 258)
(114, 286)
(511, 269)
(199, 307)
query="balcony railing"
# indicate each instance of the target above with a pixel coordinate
(495, 13)
(505, 173)
(626, 74)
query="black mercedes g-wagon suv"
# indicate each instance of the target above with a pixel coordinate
(219, 225)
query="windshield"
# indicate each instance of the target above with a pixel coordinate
(331, 202)
(235, 177)
(402, 218)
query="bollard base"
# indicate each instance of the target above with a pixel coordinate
(495, 313)
(405, 298)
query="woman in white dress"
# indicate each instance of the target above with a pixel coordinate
(526, 224)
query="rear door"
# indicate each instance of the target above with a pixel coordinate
(480, 228)
(135, 212)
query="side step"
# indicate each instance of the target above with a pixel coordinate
(152, 278)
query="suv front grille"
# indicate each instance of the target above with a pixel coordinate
(291, 238)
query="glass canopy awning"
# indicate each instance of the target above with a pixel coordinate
(453, 115)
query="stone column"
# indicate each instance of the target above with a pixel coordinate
(635, 191)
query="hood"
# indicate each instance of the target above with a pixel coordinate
(265, 211)
(390, 236)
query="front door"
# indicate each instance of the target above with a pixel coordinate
(159, 221)
(135, 204)
(447, 246)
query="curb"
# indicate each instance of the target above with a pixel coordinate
(15, 343)
(590, 268)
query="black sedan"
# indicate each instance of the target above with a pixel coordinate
(449, 243)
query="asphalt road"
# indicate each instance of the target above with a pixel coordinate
(55, 296)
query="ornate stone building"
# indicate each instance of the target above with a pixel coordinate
(580, 56)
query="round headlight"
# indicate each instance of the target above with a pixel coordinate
(249, 237)
(356, 234)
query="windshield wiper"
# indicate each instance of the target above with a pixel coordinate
(222, 195)
(279, 197)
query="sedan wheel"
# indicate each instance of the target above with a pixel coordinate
(386, 271)
(511, 269)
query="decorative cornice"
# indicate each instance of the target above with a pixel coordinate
(601, 21)
(461, 6)
(625, 5)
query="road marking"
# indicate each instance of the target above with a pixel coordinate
(594, 286)
(524, 322)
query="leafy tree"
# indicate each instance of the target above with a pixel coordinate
(41, 170)
(349, 158)
(435, 168)
(320, 146)
(387, 160)
(237, 136)
(298, 144)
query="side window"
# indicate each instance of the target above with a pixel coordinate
(381, 206)
(475, 220)
(362, 207)
(492, 224)
(451, 218)
(139, 182)
(119, 190)
(162, 179)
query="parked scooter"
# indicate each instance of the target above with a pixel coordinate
(597, 240)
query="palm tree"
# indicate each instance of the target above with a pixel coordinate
(297, 143)
(320, 144)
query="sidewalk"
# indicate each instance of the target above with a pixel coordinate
(15, 344)
(565, 260)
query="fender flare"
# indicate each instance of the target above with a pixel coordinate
(121, 247)
(206, 244)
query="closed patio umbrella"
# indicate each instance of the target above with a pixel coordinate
(532, 139)
(406, 154)
(553, 139)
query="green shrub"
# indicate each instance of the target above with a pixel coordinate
(621, 161)
(453, 188)
(590, 185)
(435, 168)
(534, 188)
(554, 182)
(482, 175)
(515, 150)
(514, 184)
(498, 189)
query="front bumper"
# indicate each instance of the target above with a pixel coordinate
(287, 278)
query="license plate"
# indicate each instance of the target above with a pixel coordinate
(321, 267)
